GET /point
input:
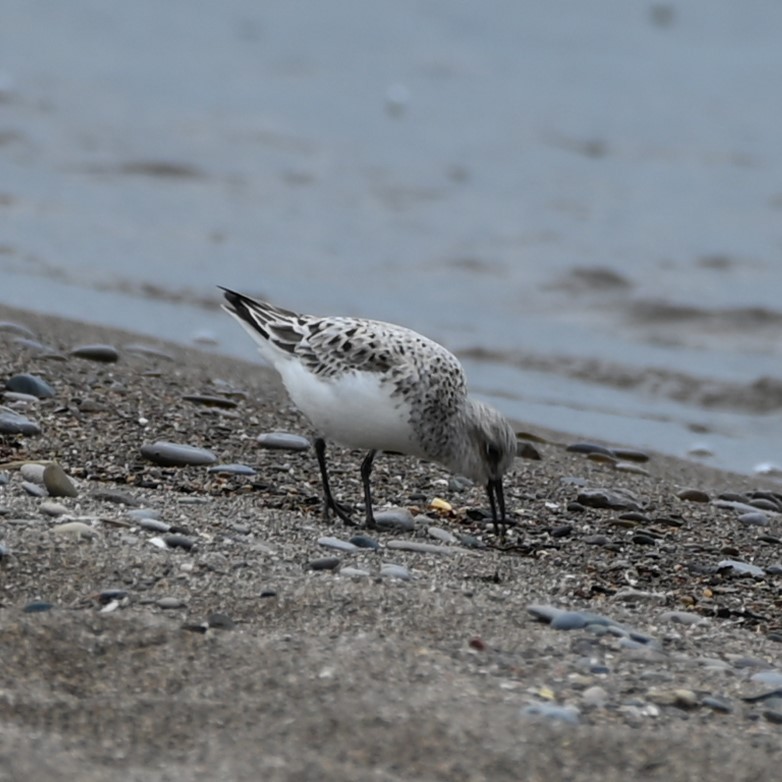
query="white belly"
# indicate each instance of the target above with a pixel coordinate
(355, 410)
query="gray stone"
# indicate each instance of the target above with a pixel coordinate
(741, 568)
(169, 454)
(337, 544)
(15, 423)
(390, 570)
(553, 712)
(233, 469)
(283, 441)
(57, 483)
(30, 384)
(395, 518)
(420, 548)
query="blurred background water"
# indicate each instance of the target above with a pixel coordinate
(583, 200)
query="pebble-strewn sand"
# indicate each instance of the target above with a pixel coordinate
(314, 674)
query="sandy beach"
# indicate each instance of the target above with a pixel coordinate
(177, 623)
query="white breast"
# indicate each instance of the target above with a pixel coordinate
(355, 410)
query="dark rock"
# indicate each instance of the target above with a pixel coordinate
(325, 563)
(30, 384)
(364, 541)
(109, 595)
(395, 518)
(178, 541)
(630, 455)
(105, 354)
(693, 495)
(37, 607)
(220, 621)
(588, 448)
(615, 499)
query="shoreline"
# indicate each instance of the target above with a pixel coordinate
(236, 651)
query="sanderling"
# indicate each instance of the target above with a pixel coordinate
(379, 387)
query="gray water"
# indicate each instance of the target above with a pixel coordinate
(583, 199)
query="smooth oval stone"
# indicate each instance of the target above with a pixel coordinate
(763, 504)
(755, 519)
(771, 678)
(631, 467)
(336, 543)
(354, 572)
(14, 423)
(37, 607)
(421, 548)
(615, 499)
(544, 613)
(33, 489)
(169, 603)
(169, 454)
(459, 483)
(9, 327)
(364, 541)
(15, 396)
(569, 620)
(57, 483)
(75, 529)
(395, 518)
(30, 384)
(144, 513)
(154, 525)
(717, 703)
(220, 621)
(742, 568)
(390, 570)
(552, 711)
(283, 441)
(210, 400)
(179, 541)
(53, 509)
(693, 495)
(325, 563)
(106, 354)
(32, 472)
(442, 535)
(233, 469)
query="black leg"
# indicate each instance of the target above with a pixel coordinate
(366, 471)
(329, 503)
(497, 503)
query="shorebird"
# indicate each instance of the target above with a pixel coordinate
(375, 386)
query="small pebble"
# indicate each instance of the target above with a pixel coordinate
(693, 495)
(420, 548)
(354, 572)
(326, 563)
(37, 607)
(57, 483)
(283, 441)
(336, 543)
(754, 519)
(170, 454)
(33, 489)
(154, 525)
(32, 472)
(442, 535)
(741, 568)
(178, 541)
(232, 469)
(364, 541)
(30, 384)
(390, 570)
(210, 400)
(169, 603)
(595, 696)
(106, 354)
(220, 621)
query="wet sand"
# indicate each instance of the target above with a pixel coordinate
(315, 674)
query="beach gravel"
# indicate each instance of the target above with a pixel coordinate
(169, 622)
